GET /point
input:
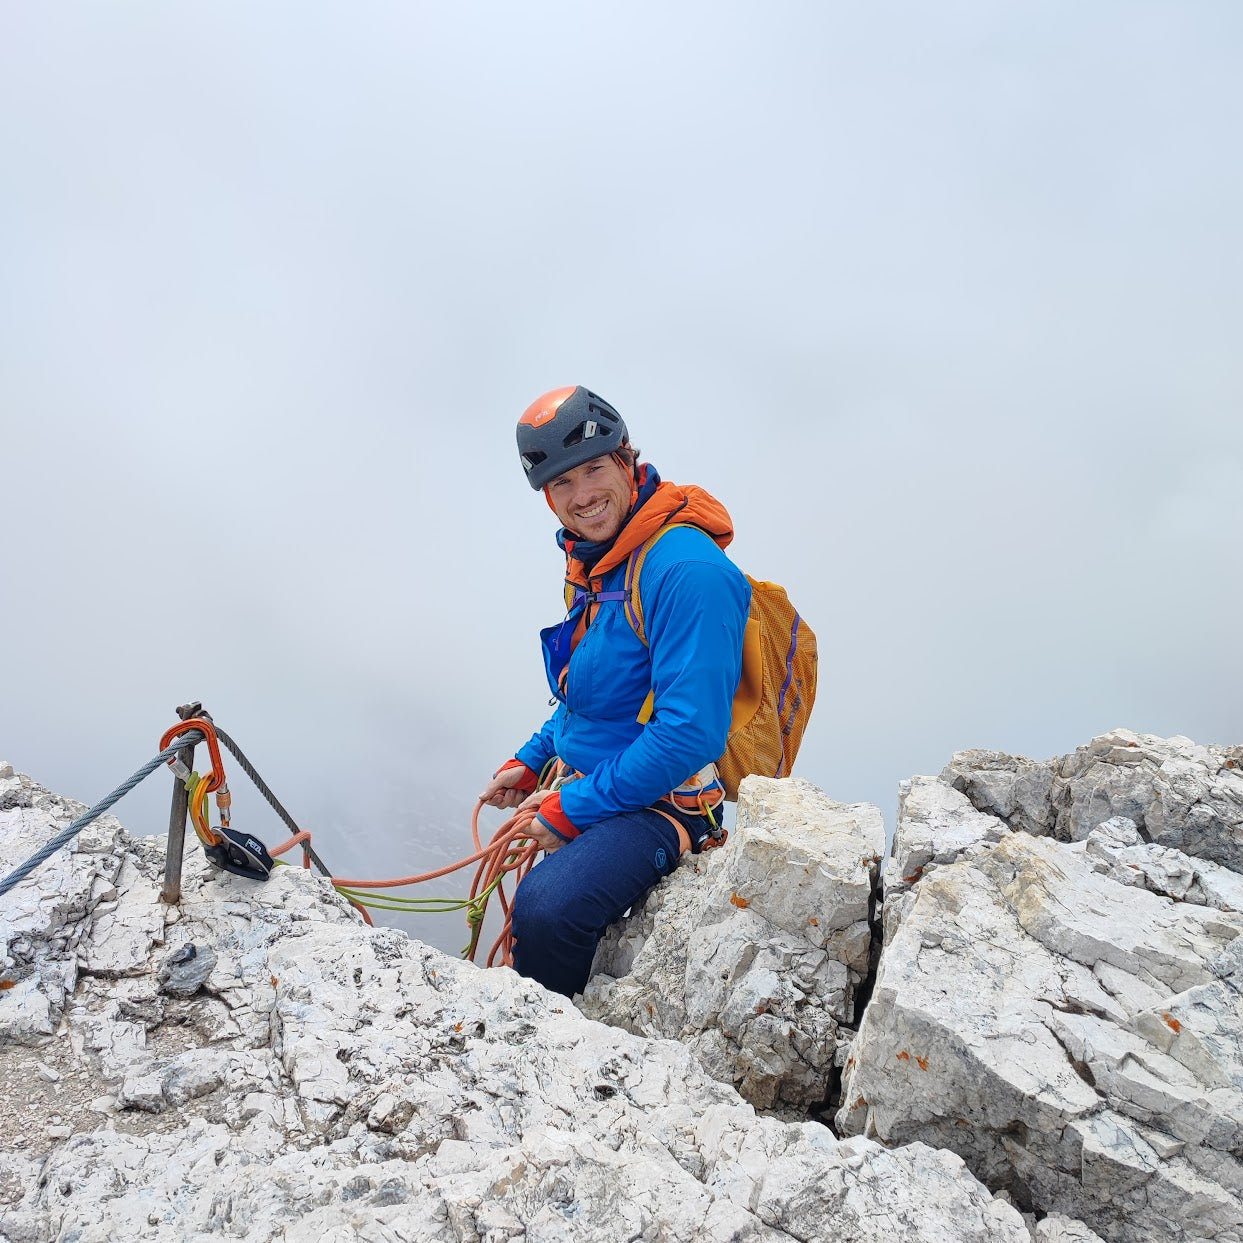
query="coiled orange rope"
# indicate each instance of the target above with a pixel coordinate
(509, 853)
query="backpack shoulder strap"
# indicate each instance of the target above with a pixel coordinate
(634, 603)
(634, 568)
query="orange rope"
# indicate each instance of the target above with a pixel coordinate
(509, 853)
(298, 839)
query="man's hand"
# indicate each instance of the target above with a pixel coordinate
(545, 838)
(502, 790)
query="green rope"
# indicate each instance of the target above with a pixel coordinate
(476, 908)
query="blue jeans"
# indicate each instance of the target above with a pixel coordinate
(571, 896)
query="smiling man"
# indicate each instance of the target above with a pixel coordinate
(643, 684)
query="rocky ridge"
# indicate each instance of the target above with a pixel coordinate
(1060, 998)
(754, 956)
(258, 1064)
(1054, 1027)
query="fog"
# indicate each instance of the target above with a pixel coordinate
(942, 301)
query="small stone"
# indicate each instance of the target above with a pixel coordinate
(381, 1111)
(256, 1103)
(393, 1191)
(1165, 1146)
(59, 1132)
(103, 891)
(186, 969)
(47, 1074)
(145, 1092)
(172, 915)
(104, 1105)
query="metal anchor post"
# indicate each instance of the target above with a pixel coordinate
(171, 893)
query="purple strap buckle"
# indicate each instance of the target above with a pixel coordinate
(597, 597)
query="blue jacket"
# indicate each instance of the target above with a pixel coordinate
(695, 603)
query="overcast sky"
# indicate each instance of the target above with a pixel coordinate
(943, 301)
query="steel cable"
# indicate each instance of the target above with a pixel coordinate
(509, 852)
(262, 786)
(67, 834)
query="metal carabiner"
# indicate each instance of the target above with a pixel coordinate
(215, 778)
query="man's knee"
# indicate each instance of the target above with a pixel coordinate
(532, 902)
(546, 904)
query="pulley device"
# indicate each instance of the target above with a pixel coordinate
(508, 856)
(229, 849)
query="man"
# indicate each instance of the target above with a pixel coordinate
(634, 721)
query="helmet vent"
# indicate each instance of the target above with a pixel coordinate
(532, 459)
(602, 409)
(585, 431)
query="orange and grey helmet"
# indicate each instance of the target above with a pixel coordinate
(565, 428)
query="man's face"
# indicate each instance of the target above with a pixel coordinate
(593, 499)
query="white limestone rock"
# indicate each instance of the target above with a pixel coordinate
(1058, 1229)
(1076, 1040)
(1014, 789)
(936, 825)
(123, 931)
(751, 954)
(43, 920)
(1180, 794)
(1117, 849)
(400, 1094)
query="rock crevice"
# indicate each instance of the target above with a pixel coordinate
(1058, 1000)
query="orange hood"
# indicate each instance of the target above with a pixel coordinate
(670, 502)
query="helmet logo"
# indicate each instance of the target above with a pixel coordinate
(544, 409)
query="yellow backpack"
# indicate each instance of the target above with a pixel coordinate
(778, 686)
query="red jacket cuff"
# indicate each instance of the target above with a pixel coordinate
(530, 778)
(552, 817)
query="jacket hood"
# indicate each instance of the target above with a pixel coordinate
(670, 502)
